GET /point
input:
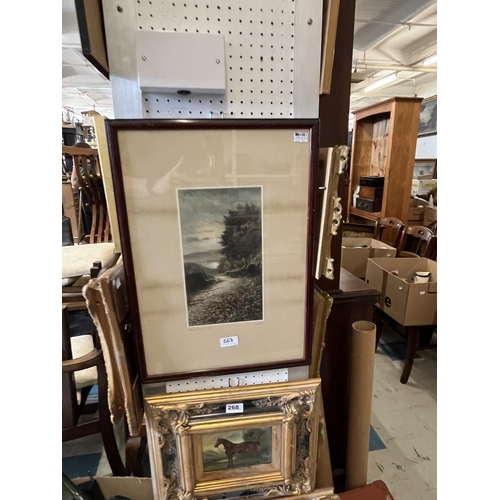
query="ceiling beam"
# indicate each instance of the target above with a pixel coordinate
(393, 67)
(426, 49)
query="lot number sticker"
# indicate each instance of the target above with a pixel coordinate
(228, 341)
(234, 408)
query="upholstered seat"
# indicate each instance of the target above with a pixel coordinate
(78, 259)
(81, 345)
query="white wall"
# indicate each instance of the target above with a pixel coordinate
(426, 147)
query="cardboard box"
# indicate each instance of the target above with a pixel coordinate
(410, 304)
(138, 488)
(430, 215)
(423, 186)
(357, 251)
(416, 210)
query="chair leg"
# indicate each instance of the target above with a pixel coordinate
(134, 449)
(106, 426)
(377, 320)
(411, 348)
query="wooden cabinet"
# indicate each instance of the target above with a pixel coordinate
(384, 143)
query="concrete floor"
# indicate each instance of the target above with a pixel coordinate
(405, 418)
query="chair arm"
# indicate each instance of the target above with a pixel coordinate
(92, 358)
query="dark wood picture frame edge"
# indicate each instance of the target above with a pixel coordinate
(112, 128)
(85, 38)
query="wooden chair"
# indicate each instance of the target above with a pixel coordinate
(76, 262)
(418, 338)
(388, 230)
(90, 183)
(431, 252)
(73, 403)
(415, 242)
(107, 304)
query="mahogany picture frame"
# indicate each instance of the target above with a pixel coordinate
(300, 133)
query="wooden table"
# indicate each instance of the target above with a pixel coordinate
(353, 302)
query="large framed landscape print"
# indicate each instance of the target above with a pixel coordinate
(215, 218)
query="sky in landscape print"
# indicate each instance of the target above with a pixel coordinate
(202, 214)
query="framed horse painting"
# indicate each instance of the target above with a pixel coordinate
(259, 440)
(216, 226)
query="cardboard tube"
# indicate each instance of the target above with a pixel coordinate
(361, 369)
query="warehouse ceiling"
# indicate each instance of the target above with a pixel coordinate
(393, 41)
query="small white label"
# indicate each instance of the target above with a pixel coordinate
(234, 408)
(422, 293)
(228, 341)
(300, 137)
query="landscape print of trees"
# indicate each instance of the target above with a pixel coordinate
(221, 232)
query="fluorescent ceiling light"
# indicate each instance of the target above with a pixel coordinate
(430, 60)
(381, 82)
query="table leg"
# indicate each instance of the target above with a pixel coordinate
(377, 320)
(426, 333)
(411, 348)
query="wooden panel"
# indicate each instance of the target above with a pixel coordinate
(362, 151)
(405, 122)
(380, 146)
(360, 157)
(334, 108)
(383, 107)
(329, 36)
(365, 215)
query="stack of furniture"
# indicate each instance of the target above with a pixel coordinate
(90, 183)
(384, 144)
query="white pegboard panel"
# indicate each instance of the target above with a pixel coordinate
(259, 43)
(233, 380)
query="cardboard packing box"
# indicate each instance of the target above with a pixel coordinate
(357, 251)
(410, 304)
(419, 186)
(416, 210)
(137, 488)
(430, 215)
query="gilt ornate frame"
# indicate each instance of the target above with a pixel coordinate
(333, 161)
(176, 421)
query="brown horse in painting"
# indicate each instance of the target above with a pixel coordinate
(233, 449)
